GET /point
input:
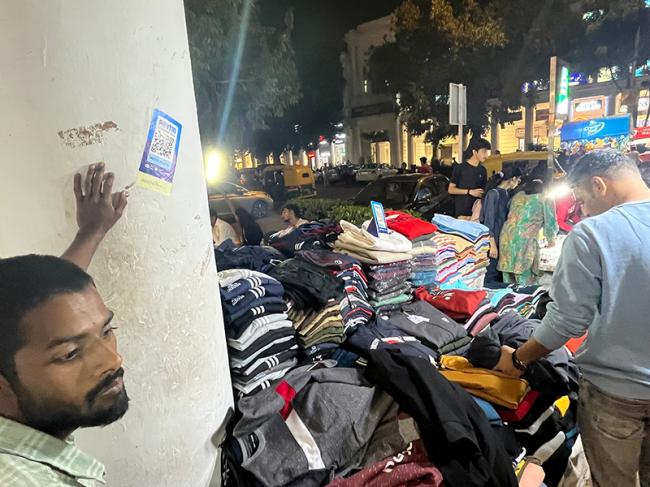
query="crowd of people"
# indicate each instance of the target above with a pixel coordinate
(419, 396)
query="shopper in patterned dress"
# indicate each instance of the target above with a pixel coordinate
(530, 212)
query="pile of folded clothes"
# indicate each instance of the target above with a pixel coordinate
(420, 233)
(253, 257)
(388, 264)
(462, 251)
(314, 296)
(355, 308)
(310, 236)
(389, 286)
(529, 302)
(459, 304)
(261, 339)
(316, 327)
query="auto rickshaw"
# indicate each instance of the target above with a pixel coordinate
(528, 162)
(286, 182)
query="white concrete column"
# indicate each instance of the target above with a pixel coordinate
(494, 134)
(410, 149)
(104, 66)
(529, 122)
(395, 136)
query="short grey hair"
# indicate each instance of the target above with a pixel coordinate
(600, 162)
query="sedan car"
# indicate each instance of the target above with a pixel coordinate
(373, 172)
(426, 194)
(256, 202)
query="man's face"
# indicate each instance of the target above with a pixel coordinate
(593, 200)
(69, 374)
(482, 154)
(286, 215)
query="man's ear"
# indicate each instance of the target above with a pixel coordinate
(598, 185)
(9, 407)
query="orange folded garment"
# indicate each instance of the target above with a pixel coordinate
(494, 387)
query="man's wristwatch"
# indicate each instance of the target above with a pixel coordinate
(468, 192)
(519, 365)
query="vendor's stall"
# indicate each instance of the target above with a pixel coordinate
(366, 359)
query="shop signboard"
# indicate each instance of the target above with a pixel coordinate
(562, 107)
(613, 132)
(642, 133)
(597, 128)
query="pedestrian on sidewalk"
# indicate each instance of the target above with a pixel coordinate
(601, 286)
(469, 178)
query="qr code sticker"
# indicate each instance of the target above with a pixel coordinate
(164, 140)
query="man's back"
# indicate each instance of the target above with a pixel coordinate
(604, 273)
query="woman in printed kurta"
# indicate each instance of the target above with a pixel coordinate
(530, 212)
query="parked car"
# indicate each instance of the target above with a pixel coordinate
(373, 172)
(256, 202)
(338, 174)
(426, 194)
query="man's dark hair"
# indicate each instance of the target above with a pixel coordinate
(476, 144)
(295, 208)
(27, 282)
(601, 162)
(423, 160)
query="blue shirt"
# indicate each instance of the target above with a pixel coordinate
(602, 285)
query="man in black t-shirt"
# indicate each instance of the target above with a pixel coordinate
(469, 178)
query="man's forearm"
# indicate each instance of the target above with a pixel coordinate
(532, 351)
(83, 248)
(458, 191)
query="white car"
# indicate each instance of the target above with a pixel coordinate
(373, 172)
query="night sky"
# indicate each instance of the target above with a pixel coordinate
(319, 27)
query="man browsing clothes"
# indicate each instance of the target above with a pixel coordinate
(469, 178)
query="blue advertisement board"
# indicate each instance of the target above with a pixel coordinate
(598, 128)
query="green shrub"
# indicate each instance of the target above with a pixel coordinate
(320, 208)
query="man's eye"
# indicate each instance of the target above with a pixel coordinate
(69, 356)
(109, 331)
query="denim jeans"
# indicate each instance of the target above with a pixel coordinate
(615, 433)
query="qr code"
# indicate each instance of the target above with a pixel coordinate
(163, 142)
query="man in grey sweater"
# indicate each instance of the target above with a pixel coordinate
(602, 287)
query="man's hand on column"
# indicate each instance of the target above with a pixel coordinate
(98, 209)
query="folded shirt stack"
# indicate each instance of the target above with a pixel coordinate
(261, 339)
(355, 308)
(320, 326)
(431, 326)
(458, 252)
(411, 227)
(389, 286)
(367, 248)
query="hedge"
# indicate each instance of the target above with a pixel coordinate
(320, 208)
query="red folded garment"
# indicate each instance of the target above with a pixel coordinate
(574, 344)
(455, 303)
(516, 415)
(408, 225)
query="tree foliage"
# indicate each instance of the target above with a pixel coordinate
(494, 47)
(267, 85)
(617, 38)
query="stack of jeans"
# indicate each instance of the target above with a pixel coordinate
(389, 286)
(261, 339)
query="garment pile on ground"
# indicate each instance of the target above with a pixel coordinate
(369, 361)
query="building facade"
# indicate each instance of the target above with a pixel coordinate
(375, 133)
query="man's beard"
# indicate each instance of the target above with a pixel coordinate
(57, 417)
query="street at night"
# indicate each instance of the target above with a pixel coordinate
(325, 243)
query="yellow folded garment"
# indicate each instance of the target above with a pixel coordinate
(563, 404)
(494, 387)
